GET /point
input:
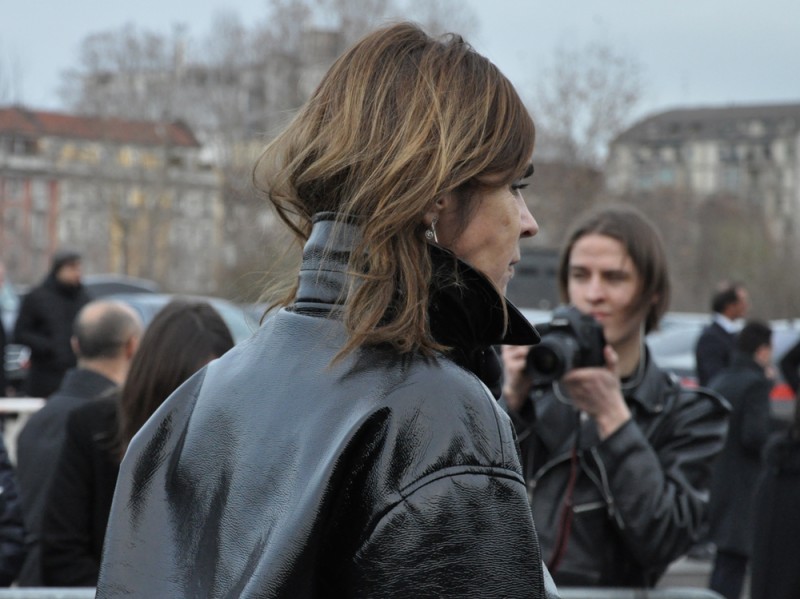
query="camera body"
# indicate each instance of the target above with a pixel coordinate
(570, 340)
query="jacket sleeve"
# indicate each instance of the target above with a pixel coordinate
(12, 533)
(66, 544)
(457, 533)
(660, 491)
(27, 330)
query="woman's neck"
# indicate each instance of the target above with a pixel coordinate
(629, 353)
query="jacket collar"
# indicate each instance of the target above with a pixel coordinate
(466, 310)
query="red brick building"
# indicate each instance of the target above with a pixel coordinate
(134, 196)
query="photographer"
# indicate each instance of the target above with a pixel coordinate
(616, 457)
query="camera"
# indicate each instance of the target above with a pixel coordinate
(570, 340)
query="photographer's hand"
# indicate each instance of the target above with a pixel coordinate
(516, 384)
(597, 392)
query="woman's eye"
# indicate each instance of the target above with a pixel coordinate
(518, 185)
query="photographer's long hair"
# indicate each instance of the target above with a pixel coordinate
(644, 245)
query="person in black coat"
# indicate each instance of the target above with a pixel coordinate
(352, 446)
(716, 342)
(616, 453)
(746, 386)
(773, 567)
(774, 572)
(181, 339)
(45, 322)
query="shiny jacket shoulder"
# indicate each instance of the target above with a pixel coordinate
(279, 472)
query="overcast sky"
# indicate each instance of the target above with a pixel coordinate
(692, 52)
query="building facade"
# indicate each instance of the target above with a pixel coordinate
(747, 152)
(133, 196)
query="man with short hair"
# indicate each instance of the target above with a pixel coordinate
(45, 321)
(715, 344)
(106, 335)
(746, 385)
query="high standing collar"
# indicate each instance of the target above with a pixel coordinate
(465, 308)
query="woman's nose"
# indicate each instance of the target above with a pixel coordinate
(594, 289)
(529, 226)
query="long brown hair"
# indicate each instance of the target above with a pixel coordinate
(181, 339)
(400, 120)
(641, 240)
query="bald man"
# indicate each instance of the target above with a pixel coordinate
(105, 336)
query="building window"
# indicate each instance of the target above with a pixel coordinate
(731, 178)
(666, 176)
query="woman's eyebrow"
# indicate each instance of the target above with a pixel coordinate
(528, 171)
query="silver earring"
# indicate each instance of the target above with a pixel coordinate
(430, 233)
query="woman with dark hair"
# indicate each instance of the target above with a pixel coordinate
(617, 456)
(352, 448)
(181, 339)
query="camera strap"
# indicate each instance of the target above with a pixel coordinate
(567, 512)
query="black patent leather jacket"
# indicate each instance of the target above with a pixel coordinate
(277, 472)
(640, 496)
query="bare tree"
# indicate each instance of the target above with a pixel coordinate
(443, 16)
(10, 79)
(126, 72)
(585, 98)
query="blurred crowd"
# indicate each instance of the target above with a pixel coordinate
(102, 376)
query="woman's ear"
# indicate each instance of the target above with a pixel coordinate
(436, 209)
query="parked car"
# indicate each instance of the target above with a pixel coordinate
(238, 318)
(101, 285)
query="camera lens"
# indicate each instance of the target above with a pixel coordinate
(546, 362)
(554, 356)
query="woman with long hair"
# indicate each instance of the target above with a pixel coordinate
(616, 453)
(352, 447)
(182, 338)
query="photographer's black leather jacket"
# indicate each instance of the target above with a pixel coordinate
(279, 472)
(640, 496)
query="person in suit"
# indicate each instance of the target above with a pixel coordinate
(106, 336)
(182, 338)
(746, 385)
(716, 342)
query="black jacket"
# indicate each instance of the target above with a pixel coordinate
(746, 387)
(640, 496)
(774, 571)
(38, 448)
(277, 472)
(77, 507)
(713, 352)
(44, 324)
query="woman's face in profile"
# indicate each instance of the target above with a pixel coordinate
(602, 280)
(490, 242)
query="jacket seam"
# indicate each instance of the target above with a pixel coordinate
(449, 472)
